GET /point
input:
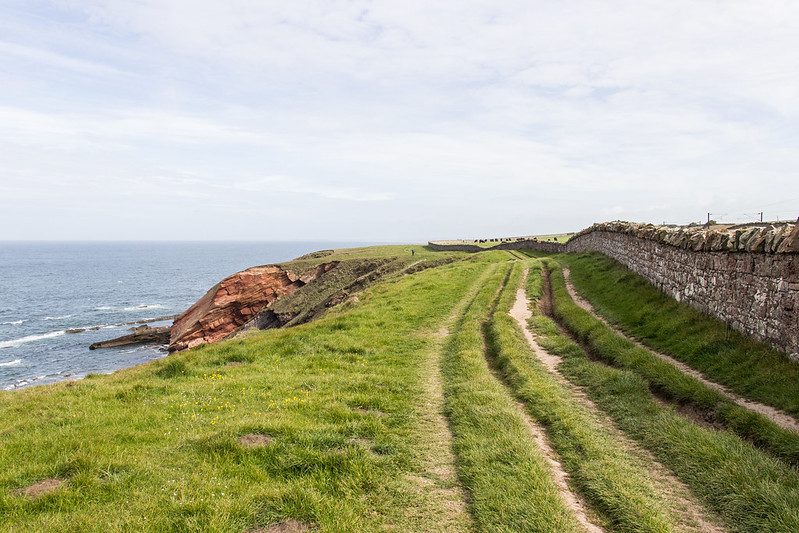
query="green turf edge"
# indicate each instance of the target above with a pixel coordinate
(153, 448)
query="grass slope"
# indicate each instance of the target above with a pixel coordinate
(340, 412)
(669, 381)
(156, 447)
(747, 367)
(750, 490)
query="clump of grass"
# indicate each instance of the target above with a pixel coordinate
(750, 490)
(173, 368)
(747, 367)
(668, 380)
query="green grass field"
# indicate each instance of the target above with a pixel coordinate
(420, 405)
(491, 242)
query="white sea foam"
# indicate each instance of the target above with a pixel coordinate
(12, 323)
(142, 307)
(30, 338)
(15, 362)
(131, 308)
(62, 317)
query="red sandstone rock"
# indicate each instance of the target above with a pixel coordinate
(234, 301)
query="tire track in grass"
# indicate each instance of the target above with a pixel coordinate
(751, 490)
(559, 475)
(690, 397)
(685, 409)
(506, 475)
(780, 418)
(679, 496)
(438, 479)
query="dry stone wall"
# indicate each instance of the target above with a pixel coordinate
(747, 276)
(523, 244)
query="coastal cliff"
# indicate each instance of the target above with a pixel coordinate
(235, 301)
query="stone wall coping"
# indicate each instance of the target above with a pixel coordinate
(773, 238)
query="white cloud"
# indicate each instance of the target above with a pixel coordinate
(534, 115)
(286, 184)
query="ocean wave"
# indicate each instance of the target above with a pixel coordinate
(12, 323)
(130, 309)
(142, 307)
(25, 382)
(62, 317)
(30, 338)
(15, 362)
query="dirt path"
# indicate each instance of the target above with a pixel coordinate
(682, 501)
(559, 474)
(780, 418)
(438, 479)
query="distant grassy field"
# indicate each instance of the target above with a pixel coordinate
(490, 242)
(420, 405)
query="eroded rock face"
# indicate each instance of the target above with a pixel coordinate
(234, 301)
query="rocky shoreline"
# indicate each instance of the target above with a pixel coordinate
(141, 335)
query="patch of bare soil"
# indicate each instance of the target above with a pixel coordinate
(40, 488)
(286, 526)
(255, 440)
(366, 444)
(545, 303)
(780, 418)
(369, 412)
(521, 313)
(681, 499)
(688, 410)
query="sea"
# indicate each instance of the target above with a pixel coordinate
(57, 298)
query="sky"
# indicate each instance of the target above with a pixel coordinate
(396, 121)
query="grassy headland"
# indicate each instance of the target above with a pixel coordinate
(416, 404)
(157, 447)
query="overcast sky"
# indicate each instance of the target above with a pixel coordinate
(391, 121)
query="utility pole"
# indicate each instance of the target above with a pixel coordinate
(761, 216)
(708, 218)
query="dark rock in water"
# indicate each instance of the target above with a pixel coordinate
(155, 319)
(75, 330)
(140, 335)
